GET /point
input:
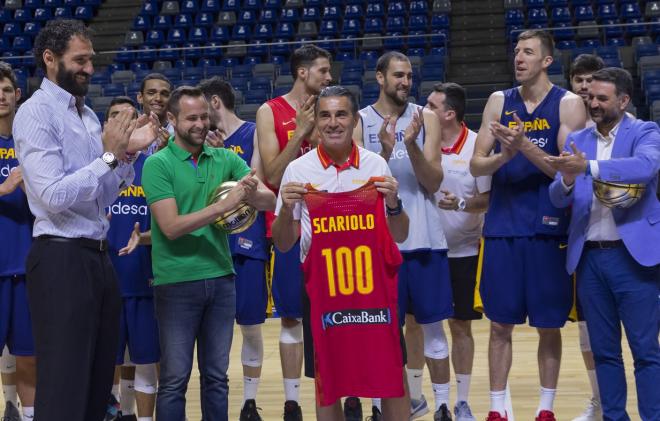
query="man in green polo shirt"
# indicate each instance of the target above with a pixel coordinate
(193, 271)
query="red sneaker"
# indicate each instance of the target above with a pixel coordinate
(546, 416)
(496, 416)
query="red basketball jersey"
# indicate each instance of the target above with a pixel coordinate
(351, 279)
(284, 119)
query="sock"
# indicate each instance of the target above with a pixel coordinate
(127, 395)
(115, 391)
(250, 386)
(594, 384)
(28, 413)
(546, 400)
(292, 389)
(376, 402)
(415, 382)
(441, 394)
(462, 387)
(145, 419)
(10, 394)
(497, 401)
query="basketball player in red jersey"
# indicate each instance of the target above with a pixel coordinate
(338, 165)
(284, 130)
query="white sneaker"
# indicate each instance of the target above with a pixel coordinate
(593, 412)
(418, 408)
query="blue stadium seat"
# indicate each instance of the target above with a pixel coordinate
(198, 35)
(616, 42)
(188, 7)
(141, 23)
(607, 11)
(395, 43)
(154, 38)
(590, 43)
(206, 62)
(256, 96)
(241, 33)
(612, 31)
(212, 50)
(263, 31)
(145, 53)
(193, 73)
(351, 27)
(272, 4)
(137, 67)
(514, 17)
(124, 55)
(22, 43)
(268, 16)
(630, 10)
(561, 14)
(71, 3)
(644, 50)
(612, 62)
(114, 89)
(210, 6)
(251, 5)
(418, 23)
(652, 93)
(339, 3)
(167, 53)
(331, 12)
(12, 29)
(216, 71)
(353, 11)
(83, 13)
(191, 51)
(353, 65)
(537, 15)
(396, 8)
(368, 55)
(512, 32)
(25, 15)
(182, 21)
(181, 64)
(348, 44)
(651, 77)
(395, 24)
(149, 8)
(375, 10)
(440, 21)
(262, 82)
(176, 36)
(173, 74)
(31, 28)
(284, 30)
(637, 30)
(418, 41)
(259, 49)
(282, 62)
(289, 15)
(535, 3)
(204, 19)
(352, 77)
(162, 22)
(329, 28)
(557, 3)
(7, 16)
(566, 44)
(219, 34)
(247, 17)
(231, 6)
(373, 26)
(583, 13)
(41, 14)
(432, 72)
(92, 2)
(344, 56)
(418, 7)
(280, 48)
(327, 45)
(52, 3)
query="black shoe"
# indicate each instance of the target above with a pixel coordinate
(292, 411)
(375, 414)
(11, 412)
(442, 414)
(249, 411)
(353, 409)
(131, 417)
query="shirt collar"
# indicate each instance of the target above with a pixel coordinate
(460, 141)
(352, 161)
(612, 134)
(61, 96)
(183, 154)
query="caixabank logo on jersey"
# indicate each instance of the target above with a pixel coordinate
(369, 316)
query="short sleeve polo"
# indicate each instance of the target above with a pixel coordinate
(172, 173)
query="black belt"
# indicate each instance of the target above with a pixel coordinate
(98, 245)
(603, 244)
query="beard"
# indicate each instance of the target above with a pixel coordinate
(67, 81)
(392, 93)
(192, 138)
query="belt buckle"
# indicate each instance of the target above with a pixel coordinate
(101, 246)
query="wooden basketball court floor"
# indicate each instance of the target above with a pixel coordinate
(573, 390)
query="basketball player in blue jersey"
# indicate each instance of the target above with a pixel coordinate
(580, 74)
(525, 236)
(249, 248)
(408, 137)
(16, 227)
(138, 329)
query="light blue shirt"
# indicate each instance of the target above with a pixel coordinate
(68, 185)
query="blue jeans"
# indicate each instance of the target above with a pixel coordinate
(201, 311)
(613, 289)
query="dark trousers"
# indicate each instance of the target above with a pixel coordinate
(75, 304)
(614, 289)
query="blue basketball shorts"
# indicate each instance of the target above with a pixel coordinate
(288, 282)
(425, 286)
(525, 278)
(138, 330)
(15, 321)
(251, 290)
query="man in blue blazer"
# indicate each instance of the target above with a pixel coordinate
(614, 246)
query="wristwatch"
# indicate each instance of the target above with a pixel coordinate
(395, 211)
(110, 159)
(461, 204)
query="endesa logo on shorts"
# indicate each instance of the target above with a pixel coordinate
(369, 316)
